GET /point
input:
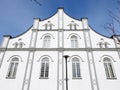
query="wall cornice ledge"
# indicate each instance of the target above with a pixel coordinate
(59, 49)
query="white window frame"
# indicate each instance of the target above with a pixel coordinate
(44, 70)
(76, 71)
(46, 41)
(74, 41)
(109, 70)
(12, 70)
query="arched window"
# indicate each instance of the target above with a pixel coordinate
(44, 68)
(13, 68)
(74, 41)
(108, 67)
(46, 41)
(76, 68)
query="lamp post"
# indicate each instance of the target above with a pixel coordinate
(66, 57)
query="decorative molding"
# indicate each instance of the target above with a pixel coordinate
(44, 57)
(102, 43)
(73, 34)
(59, 49)
(47, 34)
(77, 56)
(14, 57)
(72, 25)
(61, 29)
(48, 25)
(19, 43)
(111, 58)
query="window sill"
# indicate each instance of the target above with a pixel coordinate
(10, 77)
(43, 78)
(77, 78)
(112, 78)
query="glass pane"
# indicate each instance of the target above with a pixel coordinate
(74, 69)
(15, 59)
(15, 69)
(74, 42)
(47, 70)
(10, 70)
(106, 70)
(111, 70)
(42, 70)
(78, 69)
(46, 42)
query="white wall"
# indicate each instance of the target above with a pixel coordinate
(13, 84)
(53, 81)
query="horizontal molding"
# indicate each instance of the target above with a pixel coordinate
(61, 29)
(59, 49)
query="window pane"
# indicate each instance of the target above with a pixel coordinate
(73, 69)
(10, 70)
(47, 70)
(15, 69)
(46, 42)
(74, 42)
(111, 70)
(42, 69)
(78, 69)
(106, 70)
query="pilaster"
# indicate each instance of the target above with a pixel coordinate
(60, 71)
(28, 72)
(90, 58)
(4, 45)
(60, 52)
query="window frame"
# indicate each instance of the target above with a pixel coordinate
(47, 41)
(13, 68)
(45, 72)
(74, 41)
(76, 70)
(109, 69)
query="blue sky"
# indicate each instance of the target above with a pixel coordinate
(16, 16)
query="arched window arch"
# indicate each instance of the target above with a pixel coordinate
(44, 68)
(74, 41)
(46, 41)
(13, 68)
(109, 70)
(76, 68)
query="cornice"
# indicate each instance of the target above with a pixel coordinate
(59, 49)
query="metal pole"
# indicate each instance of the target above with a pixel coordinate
(66, 56)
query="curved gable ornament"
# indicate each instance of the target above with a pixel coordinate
(75, 56)
(75, 34)
(15, 56)
(106, 56)
(47, 34)
(45, 56)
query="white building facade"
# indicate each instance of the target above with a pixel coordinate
(34, 60)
